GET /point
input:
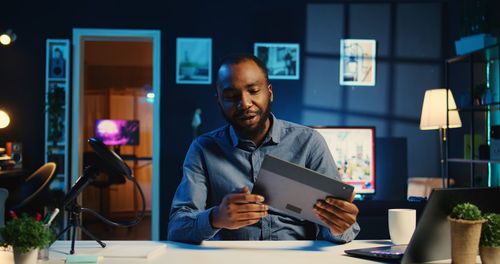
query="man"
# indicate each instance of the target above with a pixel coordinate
(213, 199)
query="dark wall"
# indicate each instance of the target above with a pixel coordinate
(315, 99)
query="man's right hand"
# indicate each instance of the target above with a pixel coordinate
(238, 210)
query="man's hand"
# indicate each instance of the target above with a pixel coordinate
(337, 214)
(238, 210)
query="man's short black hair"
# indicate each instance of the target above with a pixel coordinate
(234, 59)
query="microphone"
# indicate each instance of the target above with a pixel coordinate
(89, 174)
(110, 158)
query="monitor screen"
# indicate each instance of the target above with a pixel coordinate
(353, 149)
(117, 132)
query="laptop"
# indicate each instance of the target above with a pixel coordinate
(431, 240)
(293, 190)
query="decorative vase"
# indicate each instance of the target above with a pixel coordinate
(490, 255)
(465, 237)
(30, 257)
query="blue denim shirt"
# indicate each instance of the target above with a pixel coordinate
(219, 163)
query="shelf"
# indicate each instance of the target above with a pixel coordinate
(473, 161)
(482, 55)
(57, 184)
(478, 68)
(135, 158)
(63, 80)
(57, 151)
(479, 108)
(57, 97)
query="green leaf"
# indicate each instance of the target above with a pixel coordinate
(466, 211)
(25, 233)
(490, 233)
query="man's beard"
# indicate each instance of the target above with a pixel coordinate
(249, 132)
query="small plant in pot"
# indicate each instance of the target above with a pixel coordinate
(26, 235)
(465, 222)
(489, 247)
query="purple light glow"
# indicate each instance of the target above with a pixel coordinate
(117, 132)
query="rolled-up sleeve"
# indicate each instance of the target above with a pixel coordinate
(189, 218)
(345, 237)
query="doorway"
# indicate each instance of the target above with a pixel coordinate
(116, 78)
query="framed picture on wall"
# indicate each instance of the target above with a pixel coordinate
(58, 57)
(194, 61)
(282, 59)
(357, 62)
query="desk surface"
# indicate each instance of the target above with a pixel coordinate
(12, 172)
(241, 252)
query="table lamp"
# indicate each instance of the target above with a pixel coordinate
(436, 116)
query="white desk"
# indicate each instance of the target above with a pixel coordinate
(219, 252)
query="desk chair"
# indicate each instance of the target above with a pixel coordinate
(4, 193)
(32, 186)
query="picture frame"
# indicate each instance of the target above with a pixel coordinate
(194, 61)
(357, 62)
(58, 57)
(281, 59)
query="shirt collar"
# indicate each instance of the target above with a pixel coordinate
(273, 135)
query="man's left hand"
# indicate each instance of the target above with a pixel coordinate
(337, 214)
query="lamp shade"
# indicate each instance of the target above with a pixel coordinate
(434, 110)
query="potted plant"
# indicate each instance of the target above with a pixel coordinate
(55, 110)
(26, 235)
(465, 222)
(489, 246)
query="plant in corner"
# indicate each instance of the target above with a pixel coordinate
(55, 111)
(26, 235)
(489, 246)
(465, 222)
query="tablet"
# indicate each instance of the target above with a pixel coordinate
(293, 190)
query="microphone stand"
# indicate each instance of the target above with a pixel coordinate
(90, 174)
(75, 210)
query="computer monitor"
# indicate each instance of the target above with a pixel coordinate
(117, 132)
(353, 149)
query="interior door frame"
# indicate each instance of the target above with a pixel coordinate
(80, 35)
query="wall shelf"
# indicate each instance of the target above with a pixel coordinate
(468, 77)
(472, 161)
(480, 108)
(57, 108)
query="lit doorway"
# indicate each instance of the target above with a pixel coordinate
(116, 76)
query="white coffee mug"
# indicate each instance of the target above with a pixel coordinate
(401, 225)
